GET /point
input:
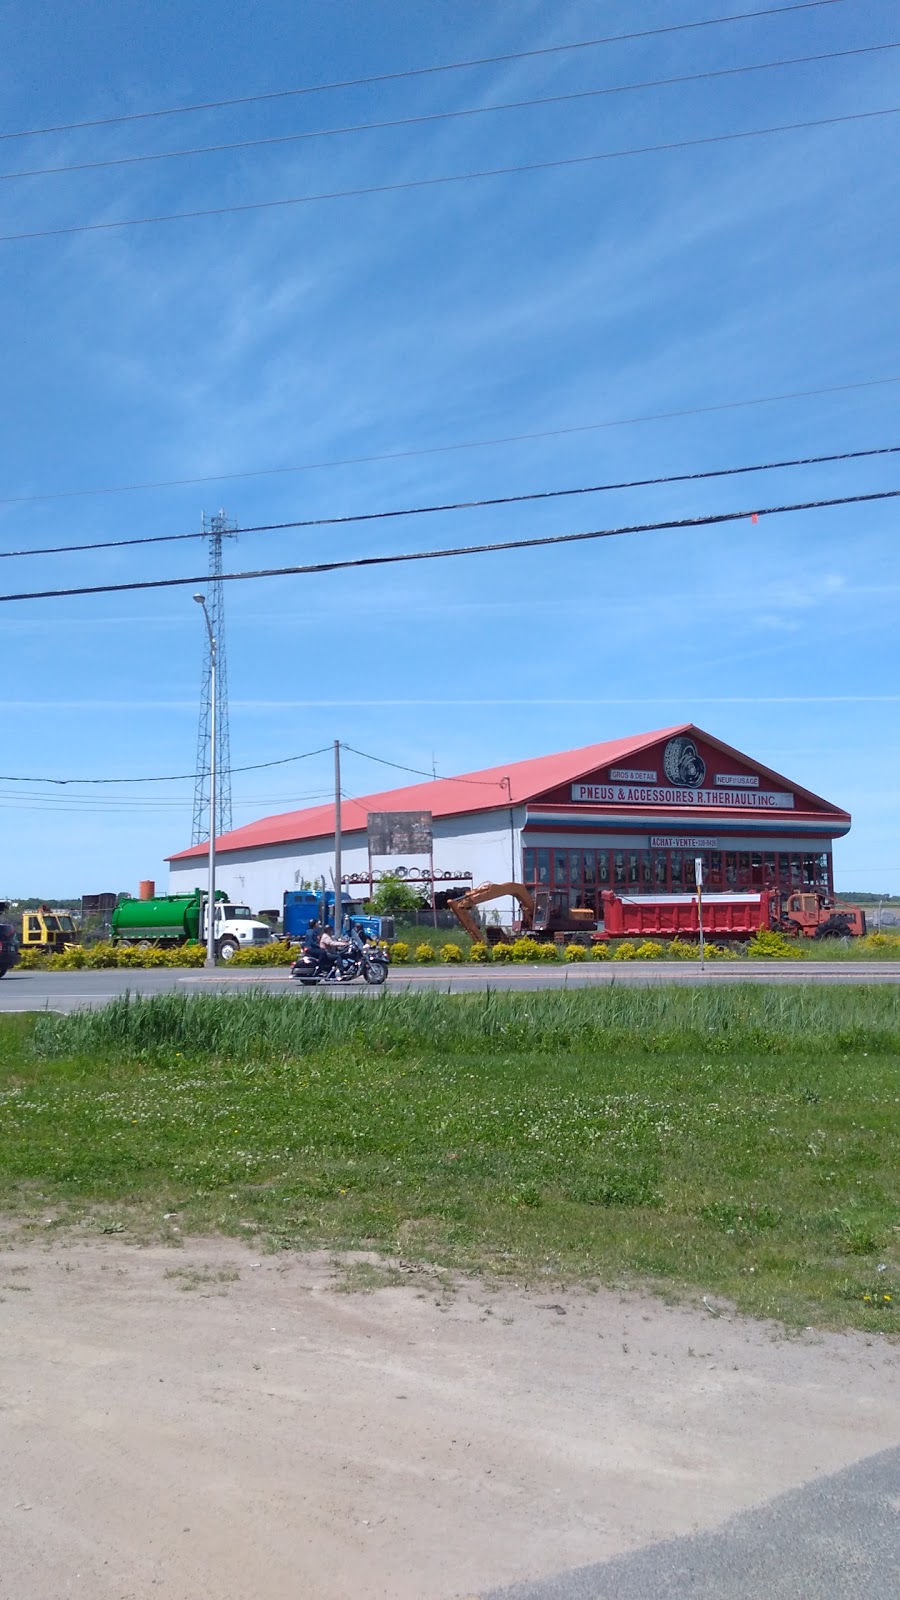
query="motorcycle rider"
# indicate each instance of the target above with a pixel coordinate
(324, 959)
(333, 946)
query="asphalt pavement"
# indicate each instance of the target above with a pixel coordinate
(837, 1538)
(69, 991)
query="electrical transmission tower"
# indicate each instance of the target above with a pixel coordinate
(216, 528)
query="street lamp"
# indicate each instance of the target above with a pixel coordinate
(211, 893)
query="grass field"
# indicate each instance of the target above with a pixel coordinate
(739, 1143)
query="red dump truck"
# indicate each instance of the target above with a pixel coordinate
(728, 916)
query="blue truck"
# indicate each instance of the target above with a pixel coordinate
(303, 906)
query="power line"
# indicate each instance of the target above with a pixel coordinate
(409, 184)
(435, 116)
(169, 777)
(80, 804)
(433, 777)
(409, 72)
(444, 449)
(460, 505)
(457, 550)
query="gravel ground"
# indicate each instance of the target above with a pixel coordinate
(209, 1421)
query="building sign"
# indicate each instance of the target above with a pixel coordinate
(622, 794)
(736, 780)
(400, 833)
(632, 775)
(668, 841)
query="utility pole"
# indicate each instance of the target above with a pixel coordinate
(337, 839)
(211, 892)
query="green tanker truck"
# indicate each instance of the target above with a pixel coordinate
(172, 919)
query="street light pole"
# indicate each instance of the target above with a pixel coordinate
(338, 865)
(211, 891)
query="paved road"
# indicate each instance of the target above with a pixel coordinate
(835, 1539)
(68, 991)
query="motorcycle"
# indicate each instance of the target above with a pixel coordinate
(360, 957)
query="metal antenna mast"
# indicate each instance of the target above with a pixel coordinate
(216, 528)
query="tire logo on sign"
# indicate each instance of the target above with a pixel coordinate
(683, 764)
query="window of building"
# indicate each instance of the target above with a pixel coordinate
(633, 877)
(647, 870)
(574, 866)
(590, 868)
(768, 870)
(661, 870)
(560, 868)
(603, 868)
(796, 872)
(528, 866)
(542, 864)
(619, 868)
(731, 870)
(690, 870)
(744, 870)
(675, 865)
(714, 873)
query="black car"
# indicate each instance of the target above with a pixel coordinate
(9, 946)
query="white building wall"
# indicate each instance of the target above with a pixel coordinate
(488, 845)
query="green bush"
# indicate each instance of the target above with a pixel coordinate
(575, 952)
(479, 952)
(683, 950)
(626, 951)
(720, 952)
(266, 955)
(32, 961)
(547, 951)
(650, 950)
(97, 957)
(768, 945)
(525, 949)
(452, 953)
(501, 952)
(425, 953)
(393, 894)
(600, 951)
(399, 952)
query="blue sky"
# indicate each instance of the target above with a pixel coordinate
(427, 319)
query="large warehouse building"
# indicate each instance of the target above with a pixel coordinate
(630, 815)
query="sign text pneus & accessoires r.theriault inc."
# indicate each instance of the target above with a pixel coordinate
(629, 794)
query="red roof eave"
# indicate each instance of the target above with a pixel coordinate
(487, 790)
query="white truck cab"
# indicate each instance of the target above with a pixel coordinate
(236, 929)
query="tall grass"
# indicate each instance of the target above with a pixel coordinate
(257, 1025)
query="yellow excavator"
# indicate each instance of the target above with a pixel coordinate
(537, 916)
(537, 912)
(462, 908)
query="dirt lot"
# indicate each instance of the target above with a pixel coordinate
(210, 1422)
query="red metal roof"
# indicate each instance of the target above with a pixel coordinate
(509, 784)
